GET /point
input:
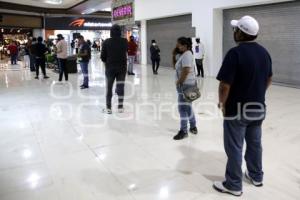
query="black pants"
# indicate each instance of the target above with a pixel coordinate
(199, 63)
(111, 76)
(40, 62)
(155, 64)
(62, 69)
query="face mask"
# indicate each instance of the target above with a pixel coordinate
(154, 44)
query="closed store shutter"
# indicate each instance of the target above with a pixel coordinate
(166, 31)
(280, 34)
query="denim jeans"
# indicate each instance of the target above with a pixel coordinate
(186, 112)
(32, 62)
(13, 59)
(130, 63)
(247, 128)
(85, 71)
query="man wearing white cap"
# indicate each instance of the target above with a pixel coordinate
(244, 78)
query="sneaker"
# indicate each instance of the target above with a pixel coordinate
(36, 77)
(218, 186)
(107, 111)
(46, 77)
(120, 110)
(253, 182)
(180, 135)
(84, 87)
(194, 130)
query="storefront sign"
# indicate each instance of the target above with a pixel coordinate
(123, 12)
(70, 23)
(84, 23)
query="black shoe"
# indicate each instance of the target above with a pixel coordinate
(46, 77)
(180, 135)
(84, 87)
(194, 130)
(36, 77)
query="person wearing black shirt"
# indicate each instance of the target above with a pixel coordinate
(114, 55)
(155, 57)
(244, 77)
(40, 51)
(84, 56)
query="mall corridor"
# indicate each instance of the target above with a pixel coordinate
(57, 144)
(149, 100)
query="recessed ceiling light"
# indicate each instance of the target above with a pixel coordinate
(56, 2)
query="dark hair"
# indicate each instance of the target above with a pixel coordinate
(40, 39)
(115, 31)
(34, 39)
(131, 38)
(186, 42)
(80, 37)
(198, 40)
(153, 41)
(246, 37)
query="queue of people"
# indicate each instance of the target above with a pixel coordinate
(245, 75)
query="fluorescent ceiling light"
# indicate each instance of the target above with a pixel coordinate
(56, 2)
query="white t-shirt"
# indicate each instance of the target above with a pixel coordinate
(199, 51)
(186, 60)
(62, 49)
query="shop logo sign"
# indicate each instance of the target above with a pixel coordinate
(83, 23)
(77, 23)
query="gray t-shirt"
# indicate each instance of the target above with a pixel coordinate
(186, 60)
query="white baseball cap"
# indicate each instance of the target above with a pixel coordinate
(247, 24)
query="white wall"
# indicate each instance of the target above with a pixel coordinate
(207, 17)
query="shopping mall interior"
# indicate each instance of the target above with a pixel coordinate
(169, 132)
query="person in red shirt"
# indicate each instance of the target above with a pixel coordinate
(13, 52)
(132, 49)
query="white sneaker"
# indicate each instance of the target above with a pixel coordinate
(255, 183)
(107, 111)
(220, 188)
(120, 110)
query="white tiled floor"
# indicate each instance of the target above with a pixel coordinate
(56, 144)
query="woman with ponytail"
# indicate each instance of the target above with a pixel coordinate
(185, 77)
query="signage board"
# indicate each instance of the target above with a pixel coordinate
(71, 23)
(123, 12)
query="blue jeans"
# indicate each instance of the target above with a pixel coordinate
(32, 62)
(186, 112)
(131, 60)
(85, 71)
(13, 59)
(247, 128)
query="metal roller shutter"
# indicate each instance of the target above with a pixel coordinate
(280, 34)
(166, 31)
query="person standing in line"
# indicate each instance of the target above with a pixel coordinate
(26, 56)
(13, 51)
(114, 55)
(132, 50)
(185, 77)
(32, 52)
(84, 57)
(40, 55)
(62, 55)
(245, 76)
(199, 56)
(155, 56)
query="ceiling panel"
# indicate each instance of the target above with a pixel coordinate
(42, 3)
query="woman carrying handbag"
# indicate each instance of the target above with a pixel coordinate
(186, 85)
